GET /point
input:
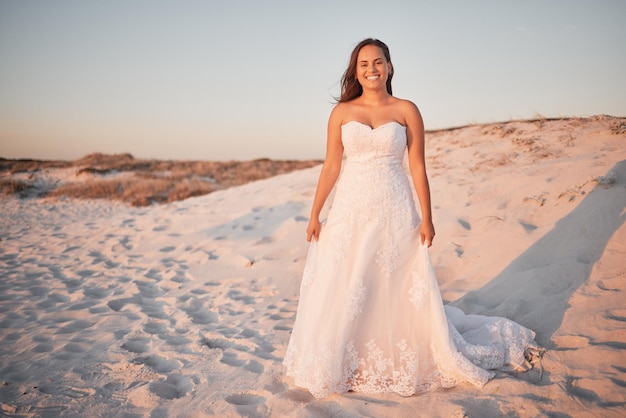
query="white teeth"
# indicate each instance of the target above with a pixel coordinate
(375, 77)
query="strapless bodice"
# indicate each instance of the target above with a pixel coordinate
(364, 144)
(373, 186)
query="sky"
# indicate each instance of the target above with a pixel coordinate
(246, 79)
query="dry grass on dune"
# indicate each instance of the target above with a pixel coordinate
(138, 182)
(29, 166)
(11, 186)
(136, 191)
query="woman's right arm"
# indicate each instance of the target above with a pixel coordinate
(329, 174)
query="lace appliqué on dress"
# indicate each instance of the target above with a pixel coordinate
(317, 369)
(419, 291)
(354, 299)
(386, 257)
(369, 370)
(341, 241)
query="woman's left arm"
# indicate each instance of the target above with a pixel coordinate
(417, 165)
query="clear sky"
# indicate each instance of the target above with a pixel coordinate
(244, 79)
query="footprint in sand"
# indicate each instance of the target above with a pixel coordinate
(74, 348)
(219, 343)
(254, 367)
(213, 255)
(118, 304)
(277, 386)
(282, 328)
(620, 369)
(223, 344)
(284, 315)
(231, 359)
(574, 390)
(279, 316)
(128, 222)
(618, 345)
(55, 389)
(199, 313)
(96, 292)
(298, 395)
(97, 257)
(158, 363)
(249, 333)
(248, 404)
(148, 289)
(43, 348)
(136, 345)
(123, 242)
(244, 399)
(616, 314)
(611, 285)
(618, 382)
(174, 387)
(458, 250)
(154, 274)
(527, 226)
(87, 273)
(264, 241)
(121, 333)
(237, 295)
(212, 283)
(265, 350)
(465, 224)
(75, 326)
(176, 340)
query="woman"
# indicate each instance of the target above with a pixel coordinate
(370, 316)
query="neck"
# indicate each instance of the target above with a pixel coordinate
(374, 97)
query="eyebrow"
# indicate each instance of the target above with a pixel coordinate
(379, 58)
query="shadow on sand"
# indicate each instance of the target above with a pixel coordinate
(536, 287)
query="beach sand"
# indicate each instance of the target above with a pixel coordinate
(184, 309)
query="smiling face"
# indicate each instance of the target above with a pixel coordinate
(372, 69)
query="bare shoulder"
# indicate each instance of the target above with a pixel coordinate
(339, 111)
(409, 111)
(338, 115)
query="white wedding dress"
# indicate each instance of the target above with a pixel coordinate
(370, 316)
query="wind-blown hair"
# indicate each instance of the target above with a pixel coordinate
(350, 86)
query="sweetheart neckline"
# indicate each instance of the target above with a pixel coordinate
(373, 129)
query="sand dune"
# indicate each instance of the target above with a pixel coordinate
(138, 182)
(184, 309)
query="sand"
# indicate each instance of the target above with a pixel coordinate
(185, 309)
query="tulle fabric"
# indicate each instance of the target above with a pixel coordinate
(370, 316)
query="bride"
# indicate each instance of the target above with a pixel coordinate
(370, 316)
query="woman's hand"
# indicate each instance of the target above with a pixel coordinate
(313, 230)
(427, 233)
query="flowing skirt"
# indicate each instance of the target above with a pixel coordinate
(370, 316)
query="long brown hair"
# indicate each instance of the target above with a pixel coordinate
(350, 86)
